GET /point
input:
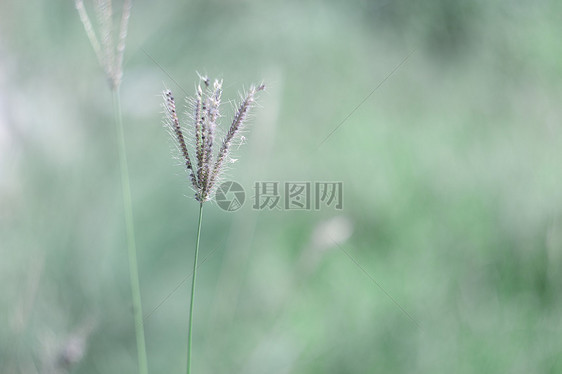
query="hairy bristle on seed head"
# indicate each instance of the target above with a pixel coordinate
(235, 128)
(174, 124)
(213, 101)
(198, 127)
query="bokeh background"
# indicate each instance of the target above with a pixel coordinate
(449, 243)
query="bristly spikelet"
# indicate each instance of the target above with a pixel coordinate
(173, 123)
(212, 105)
(206, 114)
(198, 105)
(235, 128)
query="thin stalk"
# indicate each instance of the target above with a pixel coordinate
(130, 228)
(190, 327)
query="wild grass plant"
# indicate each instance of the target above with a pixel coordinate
(205, 175)
(109, 51)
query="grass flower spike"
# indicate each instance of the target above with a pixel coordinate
(206, 113)
(108, 53)
(209, 167)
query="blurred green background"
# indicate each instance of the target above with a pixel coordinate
(452, 190)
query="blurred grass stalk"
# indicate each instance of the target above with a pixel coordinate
(110, 58)
(131, 245)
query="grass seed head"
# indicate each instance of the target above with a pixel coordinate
(206, 117)
(108, 52)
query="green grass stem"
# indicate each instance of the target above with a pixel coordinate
(191, 303)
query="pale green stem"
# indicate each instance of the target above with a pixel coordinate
(131, 246)
(190, 327)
